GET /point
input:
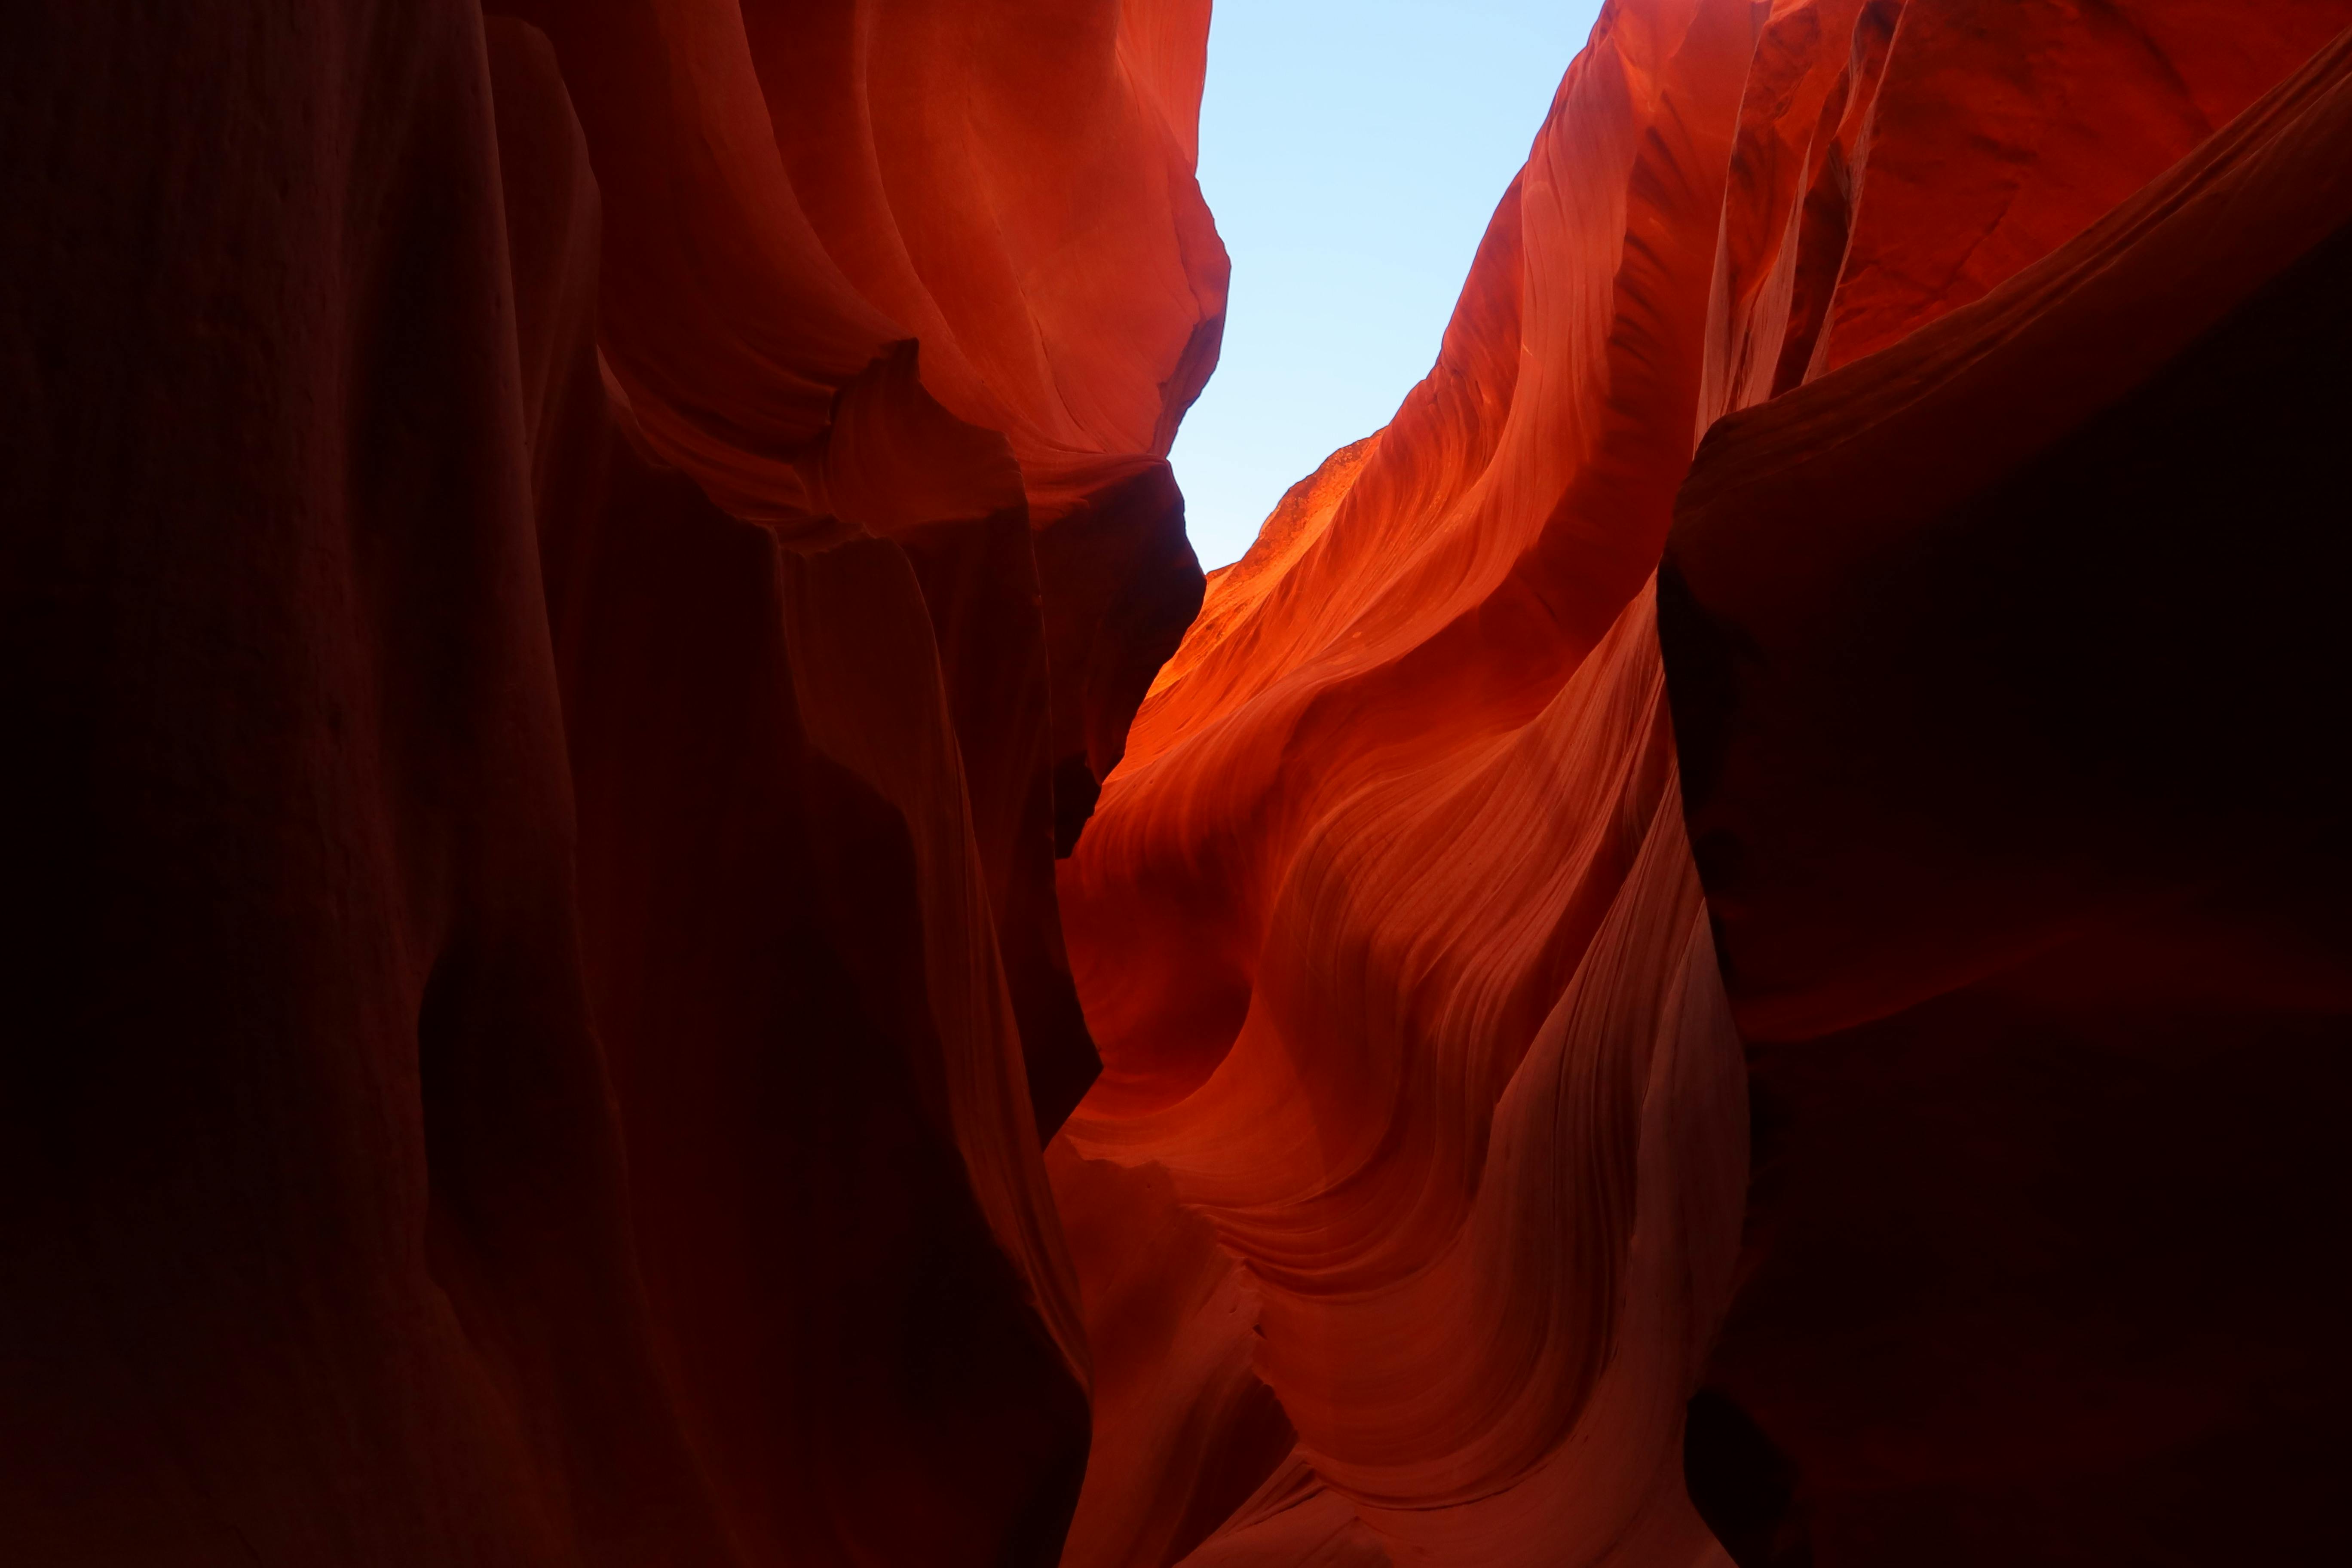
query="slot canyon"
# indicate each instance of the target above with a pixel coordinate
(654, 917)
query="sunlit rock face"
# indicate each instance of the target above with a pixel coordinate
(2000, 740)
(1387, 927)
(633, 942)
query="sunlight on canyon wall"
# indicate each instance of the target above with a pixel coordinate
(1387, 926)
(656, 920)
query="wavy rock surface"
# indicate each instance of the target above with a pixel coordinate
(573, 589)
(551, 574)
(1387, 928)
(1387, 925)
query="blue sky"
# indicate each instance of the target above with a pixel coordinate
(1352, 150)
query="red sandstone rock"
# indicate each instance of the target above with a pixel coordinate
(1996, 658)
(316, 1243)
(1427, 1028)
(391, 476)
(563, 580)
(1375, 807)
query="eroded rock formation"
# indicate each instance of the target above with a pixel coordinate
(1419, 1009)
(2022, 829)
(557, 565)
(571, 579)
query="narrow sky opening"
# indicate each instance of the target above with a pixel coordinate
(1352, 150)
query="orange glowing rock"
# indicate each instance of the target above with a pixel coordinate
(573, 589)
(819, 761)
(1386, 926)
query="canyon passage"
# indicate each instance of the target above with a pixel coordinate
(654, 917)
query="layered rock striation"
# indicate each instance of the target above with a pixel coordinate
(638, 935)
(563, 571)
(1388, 923)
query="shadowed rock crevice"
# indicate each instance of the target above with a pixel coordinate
(652, 916)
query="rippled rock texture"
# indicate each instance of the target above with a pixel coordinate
(631, 939)
(1998, 643)
(560, 569)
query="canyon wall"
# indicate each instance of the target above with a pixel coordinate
(2000, 740)
(564, 572)
(2004, 658)
(633, 940)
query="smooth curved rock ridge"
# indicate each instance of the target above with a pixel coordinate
(1388, 910)
(1561, 1430)
(839, 188)
(842, 298)
(792, 190)
(573, 588)
(1413, 1024)
(1511, 511)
